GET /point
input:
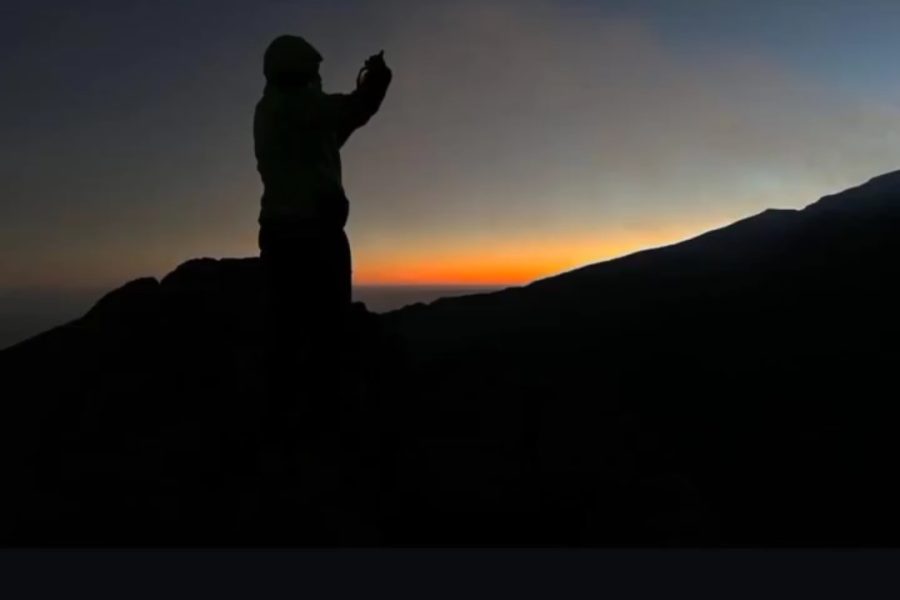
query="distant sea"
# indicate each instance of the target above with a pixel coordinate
(27, 312)
(391, 297)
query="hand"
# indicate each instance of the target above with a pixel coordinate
(375, 63)
(375, 68)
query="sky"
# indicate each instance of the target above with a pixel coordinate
(519, 138)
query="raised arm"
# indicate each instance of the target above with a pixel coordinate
(351, 111)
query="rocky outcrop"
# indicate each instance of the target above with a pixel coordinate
(731, 389)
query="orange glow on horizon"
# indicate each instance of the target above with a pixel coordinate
(448, 261)
(506, 262)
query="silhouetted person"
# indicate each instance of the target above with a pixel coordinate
(298, 131)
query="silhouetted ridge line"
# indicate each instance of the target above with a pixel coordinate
(734, 388)
(878, 197)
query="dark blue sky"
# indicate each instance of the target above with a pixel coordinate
(518, 139)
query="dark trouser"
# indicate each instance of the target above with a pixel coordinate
(308, 278)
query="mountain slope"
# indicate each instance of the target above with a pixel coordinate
(757, 358)
(735, 388)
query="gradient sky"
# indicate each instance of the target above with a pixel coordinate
(519, 139)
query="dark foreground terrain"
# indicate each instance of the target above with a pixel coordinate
(737, 388)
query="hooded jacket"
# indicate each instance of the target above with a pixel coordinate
(298, 131)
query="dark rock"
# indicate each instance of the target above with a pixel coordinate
(735, 388)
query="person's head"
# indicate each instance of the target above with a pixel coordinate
(291, 60)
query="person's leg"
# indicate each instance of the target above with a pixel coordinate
(283, 254)
(326, 416)
(334, 297)
(308, 277)
(343, 270)
(326, 305)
